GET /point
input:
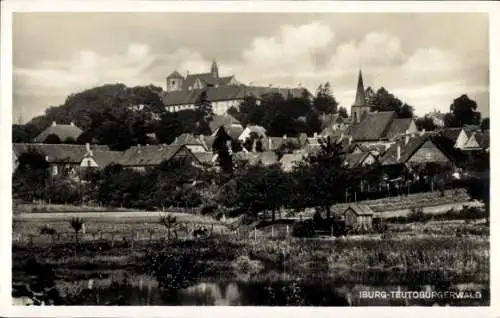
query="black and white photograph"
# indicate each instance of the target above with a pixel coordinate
(269, 159)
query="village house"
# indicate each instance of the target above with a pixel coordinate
(193, 143)
(143, 158)
(231, 126)
(422, 149)
(222, 92)
(359, 159)
(63, 159)
(62, 132)
(358, 215)
(459, 136)
(259, 131)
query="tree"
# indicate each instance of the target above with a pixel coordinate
(20, 134)
(224, 155)
(464, 111)
(343, 112)
(77, 225)
(425, 123)
(382, 100)
(31, 176)
(325, 102)
(169, 127)
(485, 124)
(322, 177)
(204, 105)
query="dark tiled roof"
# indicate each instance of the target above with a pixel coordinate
(104, 158)
(361, 209)
(205, 78)
(150, 155)
(398, 127)
(483, 139)
(204, 157)
(354, 160)
(57, 152)
(373, 126)
(221, 120)
(187, 139)
(406, 151)
(62, 131)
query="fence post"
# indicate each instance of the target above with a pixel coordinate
(255, 234)
(287, 230)
(137, 235)
(112, 240)
(272, 231)
(331, 230)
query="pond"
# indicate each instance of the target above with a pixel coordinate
(293, 293)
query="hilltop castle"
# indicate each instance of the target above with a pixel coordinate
(223, 92)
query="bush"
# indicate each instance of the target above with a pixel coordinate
(418, 215)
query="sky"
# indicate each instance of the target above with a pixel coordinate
(425, 59)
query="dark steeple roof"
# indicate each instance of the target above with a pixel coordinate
(360, 92)
(214, 70)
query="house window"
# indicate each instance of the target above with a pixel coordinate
(428, 156)
(173, 82)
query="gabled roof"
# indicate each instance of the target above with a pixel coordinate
(222, 120)
(205, 157)
(62, 131)
(150, 155)
(398, 126)
(373, 126)
(57, 153)
(104, 158)
(187, 139)
(360, 209)
(354, 160)
(205, 78)
(406, 150)
(483, 139)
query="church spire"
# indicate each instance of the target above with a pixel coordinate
(214, 70)
(360, 92)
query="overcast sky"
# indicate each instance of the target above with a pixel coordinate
(425, 59)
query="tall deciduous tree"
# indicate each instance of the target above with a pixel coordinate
(382, 100)
(325, 102)
(464, 112)
(343, 112)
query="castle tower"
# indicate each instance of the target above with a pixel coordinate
(359, 108)
(214, 70)
(174, 82)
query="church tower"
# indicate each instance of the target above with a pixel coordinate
(359, 108)
(174, 82)
(214, 70)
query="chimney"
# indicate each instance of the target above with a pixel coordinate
(422, 132)
(138, 148)
(407, 139)
(54, 123)
(398, 152)
(284, 137)
(72, 123)
(269, 143)
(315, 135)
(87, 146)
(350, 140)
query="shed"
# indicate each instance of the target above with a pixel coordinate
(358, 215)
